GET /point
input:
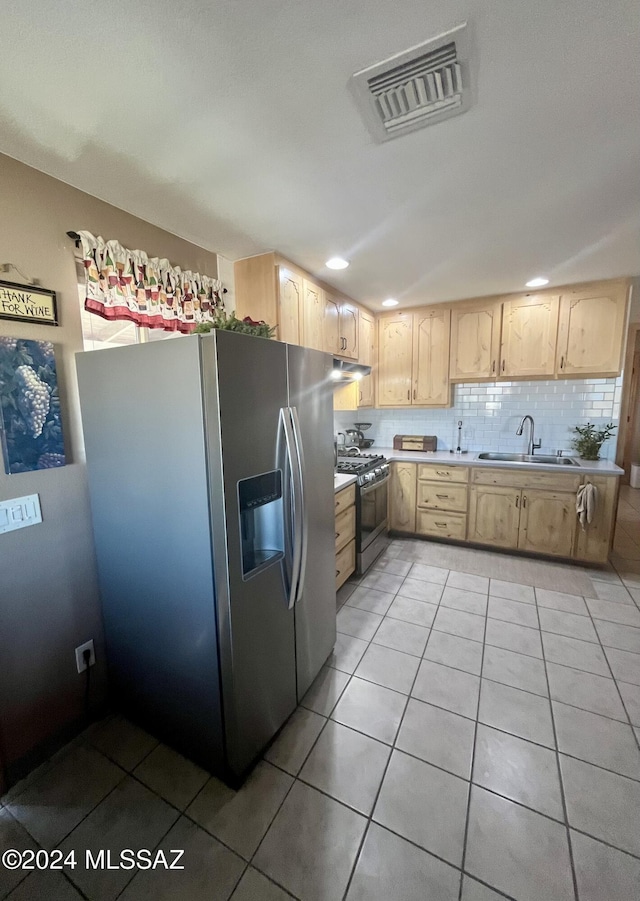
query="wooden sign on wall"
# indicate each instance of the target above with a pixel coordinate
(26, 303)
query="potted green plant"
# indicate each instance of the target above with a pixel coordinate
(230, 322)
(590, 439)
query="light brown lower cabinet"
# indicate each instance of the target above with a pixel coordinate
(494, 515)
(540, 521)
(402, 497)
(345, 534)
(504, 509)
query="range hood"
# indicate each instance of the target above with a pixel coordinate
(346, 371)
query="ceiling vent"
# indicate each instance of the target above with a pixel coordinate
(416, 88)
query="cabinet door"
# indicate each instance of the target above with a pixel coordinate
(529, 333)
(349, 330)
(431, 357)
(312, 315)
(592, 325)
(475, 341)
(367, 329)
(289, 306)
(331, 324)
(547, 522)
(395, 346)
(494, 515)
(594, 543)
(402, 497)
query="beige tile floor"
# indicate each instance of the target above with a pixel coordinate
(474, 736)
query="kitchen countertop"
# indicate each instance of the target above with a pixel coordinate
(341, 481)
(597, 467)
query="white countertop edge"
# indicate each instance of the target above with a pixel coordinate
(590, 467)
(341, 481)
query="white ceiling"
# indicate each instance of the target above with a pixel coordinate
(231, 125)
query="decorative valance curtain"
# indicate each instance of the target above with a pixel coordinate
(127, 284)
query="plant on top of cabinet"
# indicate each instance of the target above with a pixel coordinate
(230, 322)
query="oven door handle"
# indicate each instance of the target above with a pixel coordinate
(375, 485)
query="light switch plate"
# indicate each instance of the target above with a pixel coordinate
(19, 512)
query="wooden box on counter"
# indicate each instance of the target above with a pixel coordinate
(415, 442)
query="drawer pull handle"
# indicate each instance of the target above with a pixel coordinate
(441, 525)
(337, 534)
(503, 365)
(524, 500)
(517, 500)
(561, 362)
(442, 497)
(493, 366)
(442, 472)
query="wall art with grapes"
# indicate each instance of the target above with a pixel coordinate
(30, 424)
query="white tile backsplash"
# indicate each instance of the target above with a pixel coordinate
(491, 413)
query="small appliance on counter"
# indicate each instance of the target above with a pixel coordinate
(365, 443)
(415, 442)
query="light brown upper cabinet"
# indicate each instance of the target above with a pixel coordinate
(591, 331)
(395, 354)
(475, 340)
(529, 333)
(268, 288)
(431, 357)
(340, 326)
(413, 358)
(289, 306)
(312, 315)
(367, 337)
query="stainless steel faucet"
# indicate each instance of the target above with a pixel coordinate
(533, 445)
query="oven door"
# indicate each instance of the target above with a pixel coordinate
(371, 513)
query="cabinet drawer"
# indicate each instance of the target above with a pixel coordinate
(435, 473)
(345, 498)
(345, 563)
(522, 478)
(437, 496)
(345, 527)
(446, 525)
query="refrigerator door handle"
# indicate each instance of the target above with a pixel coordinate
(293, 510)
(303, 518)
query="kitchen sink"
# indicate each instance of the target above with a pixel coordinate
(529, 458)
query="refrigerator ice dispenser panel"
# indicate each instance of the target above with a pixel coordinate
(261, 522)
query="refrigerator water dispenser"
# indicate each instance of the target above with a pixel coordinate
(261, 522)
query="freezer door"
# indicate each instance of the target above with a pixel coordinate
(245, 388)
(311, 400)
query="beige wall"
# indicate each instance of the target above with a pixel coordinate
(49, 599)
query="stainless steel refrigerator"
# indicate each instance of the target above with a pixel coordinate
(210, 465)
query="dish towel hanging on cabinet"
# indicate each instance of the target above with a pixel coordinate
(586, 503)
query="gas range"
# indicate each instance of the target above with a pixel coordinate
(369, 468)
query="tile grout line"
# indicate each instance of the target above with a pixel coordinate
(615, 682)
(559, 771)
(473, 751)
(393, 748)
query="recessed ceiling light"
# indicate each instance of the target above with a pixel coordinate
(337, 263)
(390, 302)
(537, 282)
